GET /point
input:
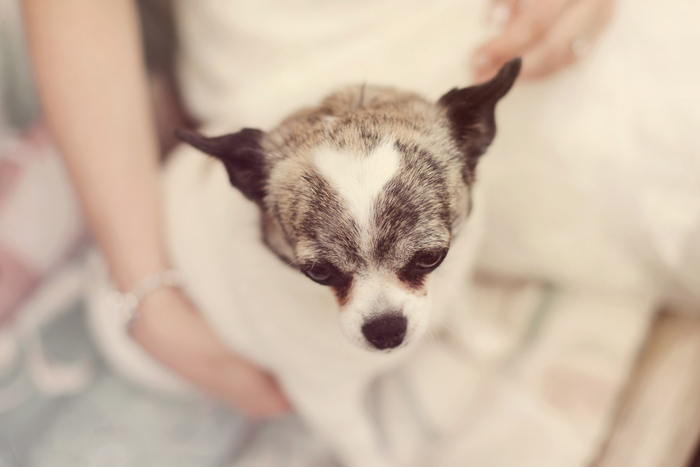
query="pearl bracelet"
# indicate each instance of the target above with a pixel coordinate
(127, 304)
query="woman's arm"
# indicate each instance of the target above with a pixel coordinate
(92, 82)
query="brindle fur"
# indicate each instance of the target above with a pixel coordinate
(305, 221)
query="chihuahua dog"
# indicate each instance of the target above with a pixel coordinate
(347, 238)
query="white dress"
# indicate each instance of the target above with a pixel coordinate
(593, 182)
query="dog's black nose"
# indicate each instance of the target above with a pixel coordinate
(385, 332)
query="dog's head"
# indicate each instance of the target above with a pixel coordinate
(364, 193)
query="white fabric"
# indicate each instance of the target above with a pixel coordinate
(253, 62)
(595, 179)
(548, 398)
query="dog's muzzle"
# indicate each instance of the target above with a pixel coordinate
(386, 331)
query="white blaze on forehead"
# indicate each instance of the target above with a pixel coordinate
(358, 179)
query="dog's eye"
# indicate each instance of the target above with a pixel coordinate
(319, 273)
(428, 260)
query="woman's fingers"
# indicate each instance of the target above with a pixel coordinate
(499, 15)
(568, 40)
(171, 328)
(527, 25)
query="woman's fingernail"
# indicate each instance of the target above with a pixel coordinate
(481, 60)
(498, 17)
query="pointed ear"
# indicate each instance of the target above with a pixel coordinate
(241, 154)
(471, 112)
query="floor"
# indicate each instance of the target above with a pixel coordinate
(112, 423)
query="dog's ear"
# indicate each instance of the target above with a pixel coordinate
(241, 154)
(471, 112)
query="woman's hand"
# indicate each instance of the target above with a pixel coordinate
(548, 34)
(170, 328)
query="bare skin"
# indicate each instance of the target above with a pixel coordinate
(542, 33)
(92, 84)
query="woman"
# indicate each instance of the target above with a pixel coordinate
(92, 82)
